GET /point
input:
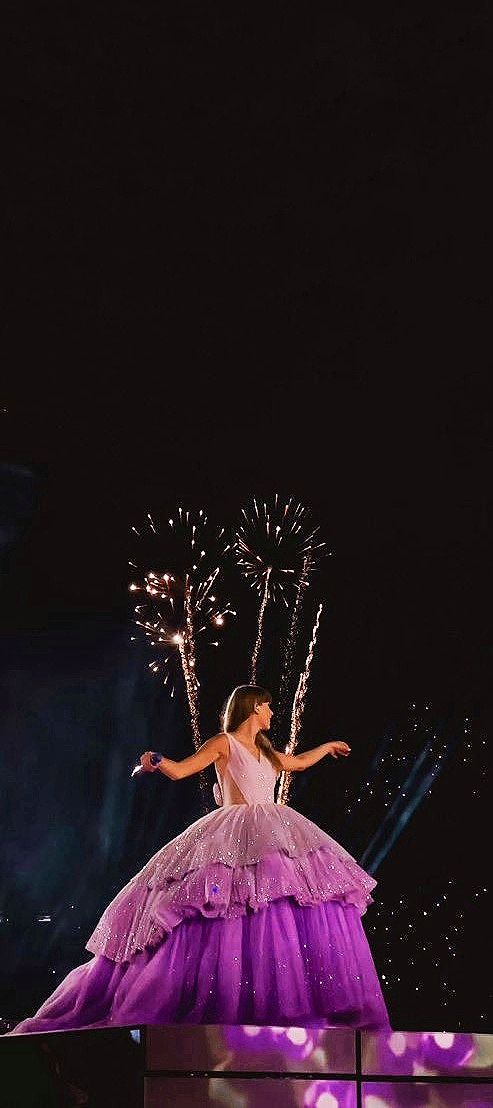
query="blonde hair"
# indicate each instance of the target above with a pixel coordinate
(239, 706)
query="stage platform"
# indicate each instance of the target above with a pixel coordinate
(289, 1067)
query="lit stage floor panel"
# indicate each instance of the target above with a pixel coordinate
(243, 1066)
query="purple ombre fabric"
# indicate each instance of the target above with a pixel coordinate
(252, 914)
(284, 965)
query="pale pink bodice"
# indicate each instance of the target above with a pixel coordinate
(245, 777)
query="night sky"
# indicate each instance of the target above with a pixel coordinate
(249, 254)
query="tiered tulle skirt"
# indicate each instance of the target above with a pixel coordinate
(251, 915)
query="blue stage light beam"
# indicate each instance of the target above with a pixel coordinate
(401, 811)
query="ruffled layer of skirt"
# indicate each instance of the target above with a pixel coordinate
(283, 965)
(251, 915)
(229, 863)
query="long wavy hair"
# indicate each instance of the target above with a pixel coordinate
(239, 706)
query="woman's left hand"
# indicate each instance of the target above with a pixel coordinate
(339, 748)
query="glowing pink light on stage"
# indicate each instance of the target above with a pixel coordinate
(330, 1094)
(445, 1050)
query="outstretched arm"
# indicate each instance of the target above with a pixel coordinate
(209, 752)
(294, 763)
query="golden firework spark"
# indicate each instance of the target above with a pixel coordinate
(258, 641)
(178, 607)
(289, 649)
(276, 548)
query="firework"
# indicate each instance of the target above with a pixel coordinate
(289, 649)
(298, 709)
(275, 545)
(260, 628)
(178, 607)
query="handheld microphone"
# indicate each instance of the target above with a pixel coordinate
(155, 759)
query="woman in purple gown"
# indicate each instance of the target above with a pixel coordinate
(251, 915)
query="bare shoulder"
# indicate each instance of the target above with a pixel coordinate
(219, 743)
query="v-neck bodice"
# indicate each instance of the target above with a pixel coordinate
(245, 776)
(258, 760)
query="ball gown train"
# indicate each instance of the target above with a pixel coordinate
(250, 915)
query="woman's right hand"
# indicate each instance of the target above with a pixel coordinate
(145, 761)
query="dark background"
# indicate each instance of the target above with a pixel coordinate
(246, 255)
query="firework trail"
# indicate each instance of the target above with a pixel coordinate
(275, 545)
(287, 666)
(298, 709)
(178, 608)
(187, 655)
(258, 641)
